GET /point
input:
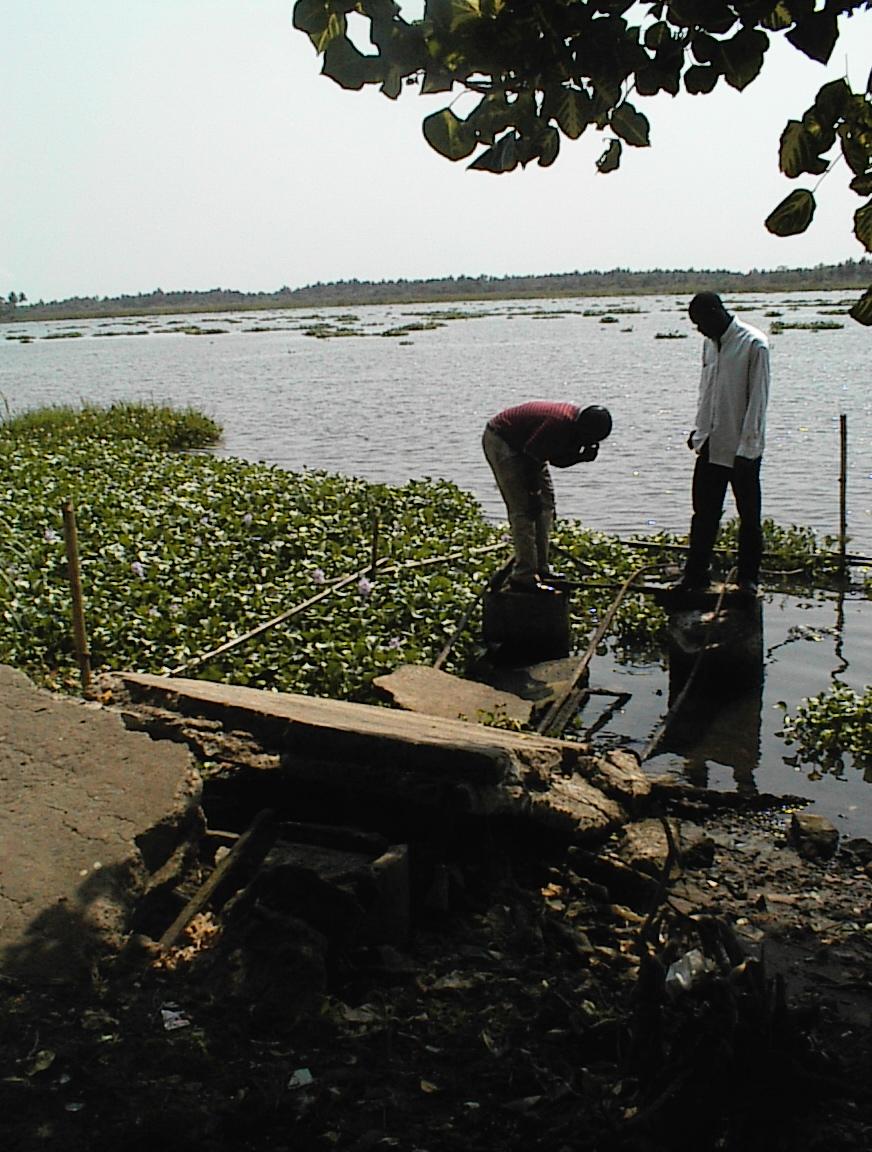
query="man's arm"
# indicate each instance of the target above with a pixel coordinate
(585, 454)
(753, 427)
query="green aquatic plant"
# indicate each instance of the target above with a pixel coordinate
(778, 326)
(179, 553)
(832, 724)
(154, 425)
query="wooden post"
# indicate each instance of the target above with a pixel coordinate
(843, 504)
(80, 637)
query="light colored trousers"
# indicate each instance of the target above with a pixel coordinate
(523, 485)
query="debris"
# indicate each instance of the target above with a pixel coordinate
(301, 1078)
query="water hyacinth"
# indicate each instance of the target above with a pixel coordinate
(365, 587)
(318, 576)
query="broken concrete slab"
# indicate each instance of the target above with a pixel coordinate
(419, 688)
(425, 761)
(88, 810)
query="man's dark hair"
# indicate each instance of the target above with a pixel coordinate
(706, 304)
(595, 423)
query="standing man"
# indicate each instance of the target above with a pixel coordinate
(519, 443)
(728, 440)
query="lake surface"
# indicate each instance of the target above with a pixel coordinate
(413, 404)
(390, 408)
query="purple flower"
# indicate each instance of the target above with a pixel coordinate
(50, 536)
(138, 569)
(318, 576)
(247, 519)
(365, 587)
(394, 642)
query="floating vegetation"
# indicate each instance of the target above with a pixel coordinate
(671, 335)
(325, 331)
(620, 310)
(196, 330)
(831, 725)
(407, 328)
(806, 325)
(609, 320)
(124, 332)
(65, 335)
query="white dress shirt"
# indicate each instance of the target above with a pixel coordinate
(733, 393)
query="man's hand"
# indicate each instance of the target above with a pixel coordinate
(588, 453)
(534, 505)
(690, 440)
(743, 463)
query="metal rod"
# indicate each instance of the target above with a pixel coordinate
(373, 564)
(554, 718)
(80, 635)
(843, 484)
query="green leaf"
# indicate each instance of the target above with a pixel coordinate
(742, 56)
(778, 19)
(862, 185)
(631, 125)
(574, 111)
(319, 20)
(862, 310)
(549, 147)
(863, 225)
(453, 13)
(349, 67)
(611, 158)
(502, 157)
(393, 83)
(658, 35)
(700, 80)
(491, 116)
(436, 80)
(797, 152)
(832, 100)
(816, 35)
(449, 135)
(793, 214)
(854, 150)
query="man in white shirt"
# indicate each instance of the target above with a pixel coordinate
(728, 440)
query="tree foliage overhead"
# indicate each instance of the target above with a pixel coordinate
(539, 70)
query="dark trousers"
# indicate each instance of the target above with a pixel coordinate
(709, 490)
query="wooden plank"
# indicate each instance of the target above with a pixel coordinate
(257, 837)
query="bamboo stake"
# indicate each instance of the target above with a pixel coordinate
(80, 636)
(843, 504)
(383, 565)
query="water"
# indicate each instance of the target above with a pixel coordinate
(391, 409)
(395, 408)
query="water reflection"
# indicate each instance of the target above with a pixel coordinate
(716, 693)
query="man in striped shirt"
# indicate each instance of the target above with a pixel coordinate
(519, 444)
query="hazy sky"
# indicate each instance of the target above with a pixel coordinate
(193, 144)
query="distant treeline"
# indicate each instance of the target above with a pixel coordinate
(851, 274)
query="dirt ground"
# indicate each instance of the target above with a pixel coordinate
(537, 1005)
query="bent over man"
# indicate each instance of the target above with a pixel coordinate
(519, 444)
(728, 440)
